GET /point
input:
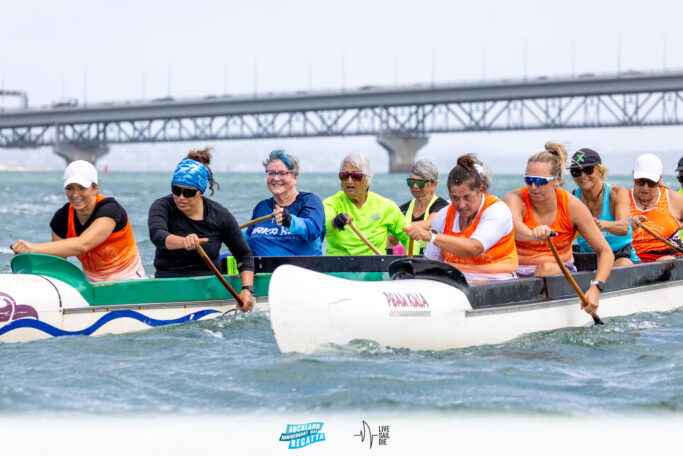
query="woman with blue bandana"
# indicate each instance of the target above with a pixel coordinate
(180, 221)
(298, 223)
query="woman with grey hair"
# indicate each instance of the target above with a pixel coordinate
(375, 216)
(298, 223)
(424, 177)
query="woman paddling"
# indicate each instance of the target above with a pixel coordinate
(374, 216)
(298, 224)
(474, 233)
(543, 207)
(92, 227)
(181, 221)
(608, 204)
(422, 183)
(657, 206)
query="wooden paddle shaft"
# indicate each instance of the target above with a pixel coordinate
(571, 280)
(363, 238)
(660, 238)
(255, 221)
(217, 273)
(410, 247)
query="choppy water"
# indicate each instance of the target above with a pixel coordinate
(632, 365)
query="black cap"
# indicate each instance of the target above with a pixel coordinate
(680, 165)
(585, 157)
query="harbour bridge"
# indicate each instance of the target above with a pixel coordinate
(401, 118)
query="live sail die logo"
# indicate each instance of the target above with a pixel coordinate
(301, 435)
(366, 434)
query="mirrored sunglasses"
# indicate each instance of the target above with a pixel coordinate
(587, 170)
(420, 182)
(356, 177)
(537, 180)
(643, 182)
(186, 192)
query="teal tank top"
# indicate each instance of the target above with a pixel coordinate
(615, 242)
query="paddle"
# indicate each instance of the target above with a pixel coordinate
(257, 220)
(410, 247)
(217, 273)
(570, 279)
(660, 238)
(363, 238)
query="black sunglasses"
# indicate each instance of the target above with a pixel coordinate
(186, 192)
(420, 182)
(680, 178)
(643, 182)
(587, 170)
(356, 177)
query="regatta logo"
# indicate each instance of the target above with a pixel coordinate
(301, 435)
(407, 304)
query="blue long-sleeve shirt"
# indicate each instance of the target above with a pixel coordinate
(303, 237)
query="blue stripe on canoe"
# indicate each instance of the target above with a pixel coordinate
(51, 330)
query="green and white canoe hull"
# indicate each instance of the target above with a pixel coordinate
(48, 296)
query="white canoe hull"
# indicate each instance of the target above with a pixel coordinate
(310, 311)
(34, 307)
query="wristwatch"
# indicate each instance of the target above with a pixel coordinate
(598, 284)
(249, 287)
(434, 233)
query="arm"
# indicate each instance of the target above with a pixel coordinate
(158, 222)
(676, 205)
(583, 221)
(620, 206)
(309, 223)
(97, 233)
(516, 204)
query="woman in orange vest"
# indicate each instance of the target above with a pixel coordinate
(658, 207)
(92, 227)
(543, 207)
(474, 233)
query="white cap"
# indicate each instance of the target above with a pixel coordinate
(648, 166)
(80, 172)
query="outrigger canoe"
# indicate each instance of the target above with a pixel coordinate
(429, 306)
(47, 296)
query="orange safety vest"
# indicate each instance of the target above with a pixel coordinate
(661, 221)
(532, 253)
(117, 258)
(500, 258)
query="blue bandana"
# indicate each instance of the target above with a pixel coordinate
(192, 174)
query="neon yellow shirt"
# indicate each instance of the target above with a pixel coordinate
(377, 218)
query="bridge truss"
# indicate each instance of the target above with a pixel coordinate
(650, 108)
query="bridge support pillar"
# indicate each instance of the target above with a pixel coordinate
(73, 152)
(402, 149)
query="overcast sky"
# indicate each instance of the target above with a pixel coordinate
(126, 50)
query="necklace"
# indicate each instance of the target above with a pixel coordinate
(591, 206)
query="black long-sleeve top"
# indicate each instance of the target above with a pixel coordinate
(218, 225)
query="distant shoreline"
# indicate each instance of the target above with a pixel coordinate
(20, 168)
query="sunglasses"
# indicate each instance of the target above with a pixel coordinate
(680, 178)
(357, 177)
(538, 181)
(420, 183)
(644, 182)
(186, 192)
(576, 172)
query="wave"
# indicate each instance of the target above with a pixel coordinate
(54, 331)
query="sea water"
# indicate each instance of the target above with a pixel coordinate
(231, 365)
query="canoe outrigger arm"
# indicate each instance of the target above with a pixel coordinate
(422, 268)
